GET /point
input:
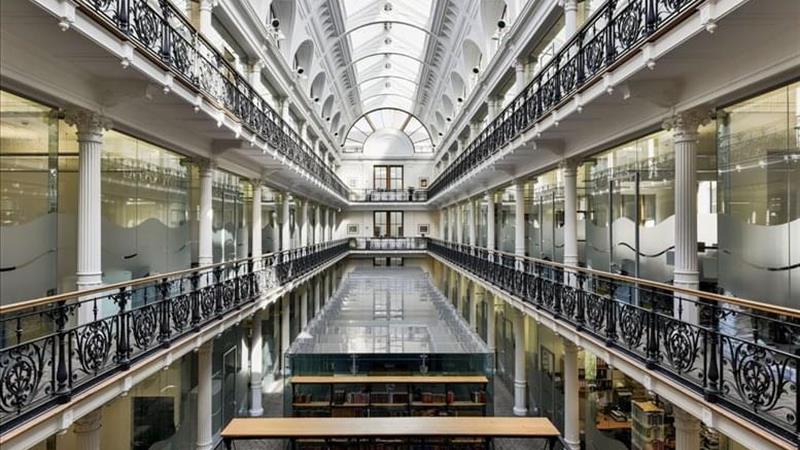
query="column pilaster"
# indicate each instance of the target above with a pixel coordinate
(286, 331)
(255, 246)
(305, 229)
(569, 174)
(90, 130)
(520, 383)
(87, 430)
(256, 363)
(205, 439)
(572, 426)
(490, 221)
(205, 229)
(287, 225)
(519, 218)
(687, 430)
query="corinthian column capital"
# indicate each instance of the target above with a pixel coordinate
(90, 125)
(684, 124)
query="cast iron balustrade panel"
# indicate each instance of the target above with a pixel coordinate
(51, 350)
(162, 32)
(389, 244)
(388, 195)
(745, 359)
(610, 35)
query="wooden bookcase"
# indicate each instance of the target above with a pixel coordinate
(387, 396)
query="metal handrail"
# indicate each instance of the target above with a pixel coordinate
(607, 38)
(711, 296)
(199, 64)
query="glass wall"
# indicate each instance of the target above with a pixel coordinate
(759, 197)
(145, 204)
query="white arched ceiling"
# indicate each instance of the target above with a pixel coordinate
(327, 106)
(447, 107)
(304, 56)
(284, 11)
(335, 121)
(458, 86)
(473, 57)
(317, 88)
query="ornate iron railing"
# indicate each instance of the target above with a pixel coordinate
(163, 33)
(388, 195)
(54, 347)
(389, 243)
(737, 353)
(608, 37)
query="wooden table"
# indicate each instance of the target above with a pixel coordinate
(389, 427)
(382, 379)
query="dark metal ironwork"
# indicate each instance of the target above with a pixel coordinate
(608, 36)
(54, 347)
(740, 356)
(389, 243)
(163, 32)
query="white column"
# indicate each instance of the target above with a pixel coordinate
(520, 404)
(287, 230)
(286, 331)
(684, 136)
(276, 231)
(305, 228)
(206, 6)
(490, 222)
(687, 430)
(569, 173)
(256, 222)
(570, 18)
(90, 128)
(318, 224)
(519, 77)
(442, 224)
(519, 218)
(333, 223)
(256, 363)
(572, 426)
(304, 307)
(328, 225)
(477, 294)
(471, 223)
(459, 225)
(491, 318)
(205, 438)
(317, 299)
(205, 253)
(326, 291)
(87, 430)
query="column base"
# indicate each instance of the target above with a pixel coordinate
(573, 445)
(519, 398)
(256, 412)
(520, 411)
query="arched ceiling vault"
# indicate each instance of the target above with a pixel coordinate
(390, 54)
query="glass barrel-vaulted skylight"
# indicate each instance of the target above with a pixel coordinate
(393, 128)
(387, 42)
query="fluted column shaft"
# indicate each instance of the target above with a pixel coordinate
(286, 331)
(87, 430)
(459, 224)
(520, 383)
(90, 130)
(519, 218)
(304, 307)
(318, 224)
(305, 228)
(287, 225)
(569, 173)
(206, 231)
(205, 438)
(256, 222)
(687, 430)
(570, 17)
(256, 363)
(317, 299)
(572, 426)
(490, 222)
(471, 223)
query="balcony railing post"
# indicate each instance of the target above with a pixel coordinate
(60, 315)
(611, 5)
(651, 16)
(123, 15)
(652, 338)
(580, 301)
(166, 32)
(713, 360)
(195, 296)
(164, 331)
(611, 319)
(123, 351)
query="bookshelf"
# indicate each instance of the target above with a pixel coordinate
(388, 396)
(648, 432)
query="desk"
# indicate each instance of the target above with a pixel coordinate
(606, 423)
(389, 427)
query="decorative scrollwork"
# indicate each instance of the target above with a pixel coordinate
(680, 344)
(629, 25)
(145, 325)
(761, 377)
(21, 370)
(147, 24)
(631, 322)
(595, 311)
(94, 345)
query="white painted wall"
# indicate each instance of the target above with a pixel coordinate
(411, 221)
(357, 173)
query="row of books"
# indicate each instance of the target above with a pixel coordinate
(342, 397)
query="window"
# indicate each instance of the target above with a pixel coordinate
(388, 177)
(388, 223)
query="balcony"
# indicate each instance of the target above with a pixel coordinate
(389, 244)
(388, 195)
(739, 354)
(56, 347)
